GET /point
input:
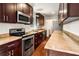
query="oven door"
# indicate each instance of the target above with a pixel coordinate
(29, 51)
(27, 45)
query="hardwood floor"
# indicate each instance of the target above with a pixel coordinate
(40, 49)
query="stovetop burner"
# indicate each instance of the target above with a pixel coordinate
(17, 32)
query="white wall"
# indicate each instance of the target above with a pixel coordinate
(4, 27)
(72, 27)
(48, 26)
(51, 25)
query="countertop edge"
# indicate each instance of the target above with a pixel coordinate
(5, 41)
(66, 51)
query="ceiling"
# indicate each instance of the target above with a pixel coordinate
(47, 9)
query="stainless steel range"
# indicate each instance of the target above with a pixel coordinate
(27, 40)
(27, 45)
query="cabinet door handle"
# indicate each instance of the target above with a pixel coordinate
(12, 52)
(4, 18)
(11, 45)
(9, 53)
(36, 38)
(7, 18)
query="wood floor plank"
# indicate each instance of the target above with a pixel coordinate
(40, 49)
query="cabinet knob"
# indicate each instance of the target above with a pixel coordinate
(35, 37)
(11, 45)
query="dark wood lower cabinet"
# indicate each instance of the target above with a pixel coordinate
(11, 49)
(39, 37)
(14, 48)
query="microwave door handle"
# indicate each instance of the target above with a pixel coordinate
(29, 19)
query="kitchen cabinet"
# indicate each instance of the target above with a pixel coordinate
(11, 49)
(39, 19)
(31, 14)
(39, 37)
(26, 9)
(19, 7)
(73, 9)
(68, 12)
(36, 40)
(8, 12)
(1, 14)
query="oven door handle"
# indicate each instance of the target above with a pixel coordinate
(26, 38)
(29, 47)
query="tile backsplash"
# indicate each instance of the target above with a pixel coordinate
(4, 27)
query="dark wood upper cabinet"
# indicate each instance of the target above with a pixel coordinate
(31, 11)
(19, 7)
(8, 12)
(1, 13)
(73, 9)
(39, 19)
(24, 7)
(31, 14)
(68, 12)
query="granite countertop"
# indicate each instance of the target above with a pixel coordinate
(59, 41)
(5, 38)
(37, 31)
(34, 32)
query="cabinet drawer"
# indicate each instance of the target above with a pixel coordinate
(4, 53)
(36, 35)
(10, 45)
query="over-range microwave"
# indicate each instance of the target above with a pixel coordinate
(23, 18)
